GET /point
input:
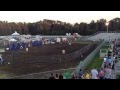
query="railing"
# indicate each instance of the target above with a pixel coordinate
(83, 64)
(41, 75)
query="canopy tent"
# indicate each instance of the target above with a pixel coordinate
(25, 40)
(14, 45)
(15, 34)
(36, 43)
(12, 40)
(37, 37)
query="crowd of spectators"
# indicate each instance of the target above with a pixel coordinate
(105, 72)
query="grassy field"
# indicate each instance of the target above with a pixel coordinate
(3, 76)
(97, 62)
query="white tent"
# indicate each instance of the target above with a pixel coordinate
(15, 34)
(37, 37)
(12, 40)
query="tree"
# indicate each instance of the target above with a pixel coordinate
(51, 27)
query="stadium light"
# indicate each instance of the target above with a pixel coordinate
(107, 23)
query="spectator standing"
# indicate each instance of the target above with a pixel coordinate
(94, 74)
(52, 76)
(113, 65)
(101, 74)
(87, 75)
(56, 76)
(66, 74)
(80, 74)
(60, 76)
(108, 72)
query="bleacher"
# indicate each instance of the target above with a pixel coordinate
(103, 36)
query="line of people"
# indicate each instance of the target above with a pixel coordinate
(105, 72)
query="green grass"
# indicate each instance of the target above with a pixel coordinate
(3, 76)
(96, 63)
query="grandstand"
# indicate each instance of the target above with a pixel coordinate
(102, 36)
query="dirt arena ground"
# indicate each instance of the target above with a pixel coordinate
(46, 50)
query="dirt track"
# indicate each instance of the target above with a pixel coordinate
(48, 50)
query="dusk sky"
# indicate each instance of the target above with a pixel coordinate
(65, 16)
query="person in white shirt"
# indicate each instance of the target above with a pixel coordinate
(94, 74)
(104, 59)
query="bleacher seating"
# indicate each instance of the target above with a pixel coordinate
(104, 36)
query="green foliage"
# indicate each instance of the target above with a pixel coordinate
(3, 76)
(51, 27)
(97, 62)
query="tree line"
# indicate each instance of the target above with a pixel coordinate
(51, 27)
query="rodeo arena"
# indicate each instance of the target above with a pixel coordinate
(59, 57)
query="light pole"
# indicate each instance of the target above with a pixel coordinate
(117, 26)
(107, 23)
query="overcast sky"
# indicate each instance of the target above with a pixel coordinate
(65, 16)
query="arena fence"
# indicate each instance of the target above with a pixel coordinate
(55, 59)
(83, 64)
(41, 75)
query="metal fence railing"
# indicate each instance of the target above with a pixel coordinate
(83, 64)
(41, 75)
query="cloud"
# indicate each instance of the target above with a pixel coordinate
(66, 16)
